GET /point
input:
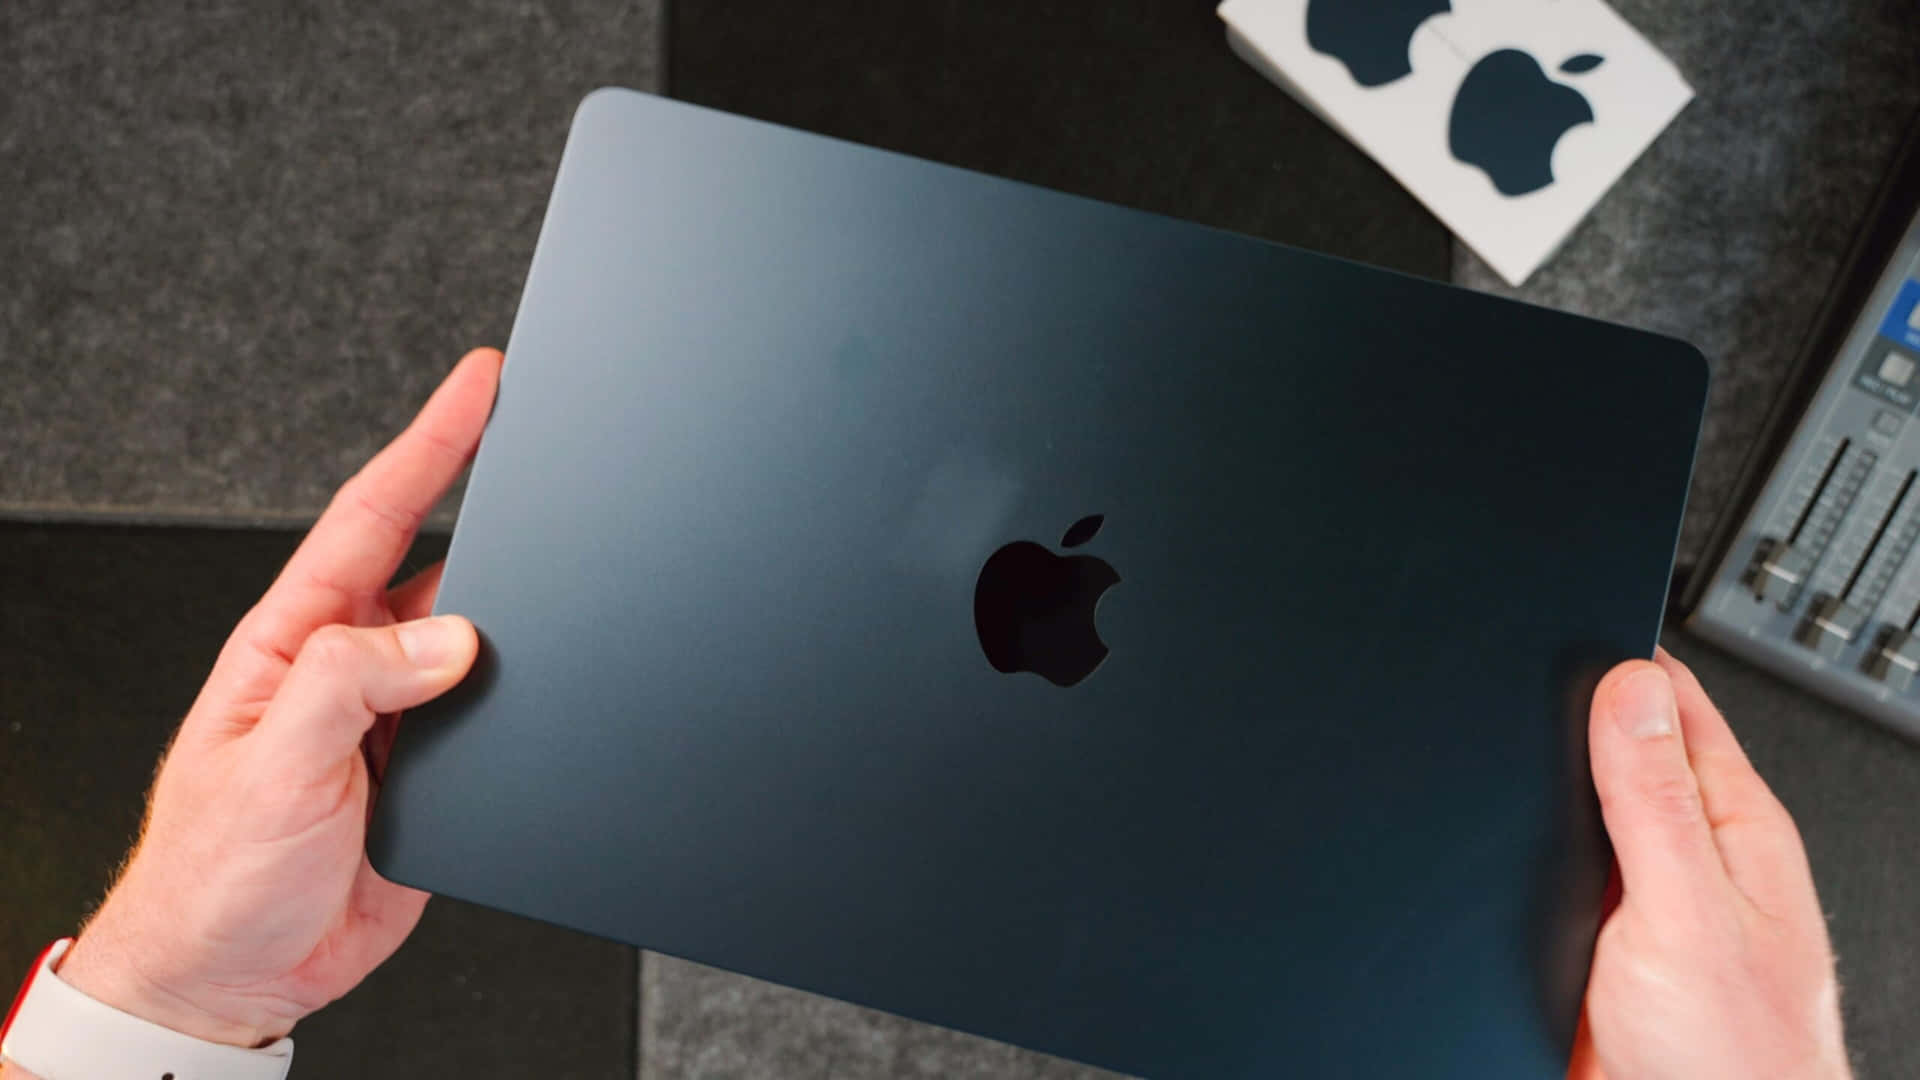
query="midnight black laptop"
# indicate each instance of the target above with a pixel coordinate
(1117, 637)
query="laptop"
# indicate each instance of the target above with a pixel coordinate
(1117, 637)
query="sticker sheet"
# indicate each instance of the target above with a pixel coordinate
(1509, 119)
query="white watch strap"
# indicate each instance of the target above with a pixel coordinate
(60, 1033)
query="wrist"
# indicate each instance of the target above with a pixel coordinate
(107, 966)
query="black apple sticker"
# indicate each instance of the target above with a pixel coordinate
(1509, 115)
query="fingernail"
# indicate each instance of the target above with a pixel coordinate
(429, 642)
(1643, 704)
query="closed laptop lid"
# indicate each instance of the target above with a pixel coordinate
(1114, 636)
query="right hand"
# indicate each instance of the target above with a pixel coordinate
(1716, 963)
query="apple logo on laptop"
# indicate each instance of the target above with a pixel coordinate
(1034, 610)
(1509, 115)
(1371, 38)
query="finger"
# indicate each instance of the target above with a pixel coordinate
(1648, 793)
(1585, 1064)
(339, 570)
(413, 599)
(410, 600)
(377, 747)
(1706, 730)
(344, 677)
(385, 913)
(1758, 842)
(1729, 786)
(1610, 899)
(366, 530)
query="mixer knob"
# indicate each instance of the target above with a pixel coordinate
(1779, 570)
(1831, 626)
(1896, 661)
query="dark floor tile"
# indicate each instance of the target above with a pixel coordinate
(478, 993)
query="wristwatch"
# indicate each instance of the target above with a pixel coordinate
(56, 1032)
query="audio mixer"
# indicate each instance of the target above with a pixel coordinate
(1816, 574)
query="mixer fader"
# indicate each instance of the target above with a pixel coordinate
(1818, 577)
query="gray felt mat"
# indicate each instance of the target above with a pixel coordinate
(244, 241)
(1729, 231)
(699, 1023)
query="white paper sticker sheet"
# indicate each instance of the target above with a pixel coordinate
(1509, 119)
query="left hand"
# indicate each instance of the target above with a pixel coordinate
(249, 902)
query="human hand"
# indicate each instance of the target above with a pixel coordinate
(1716, 962)
(249, 902)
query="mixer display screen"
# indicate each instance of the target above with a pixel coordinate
(1902, 324)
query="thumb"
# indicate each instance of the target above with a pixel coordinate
(1649, 796)
(346, 676)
